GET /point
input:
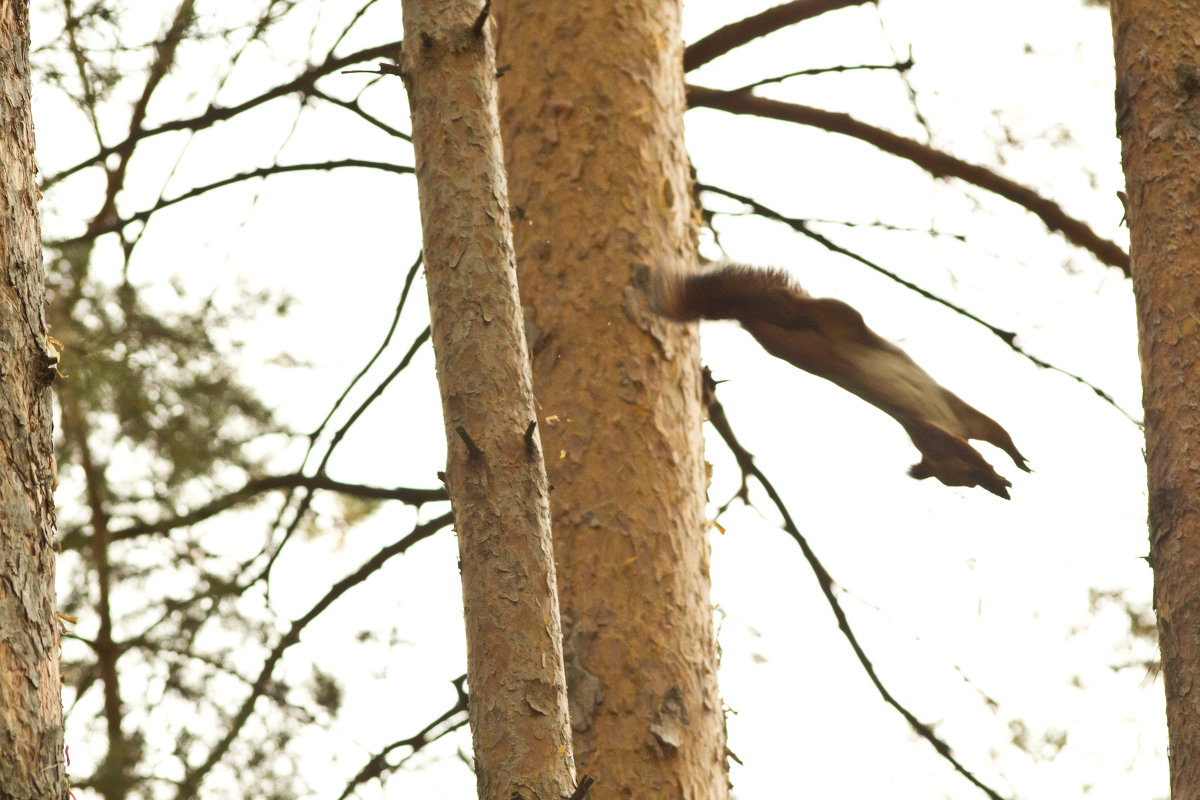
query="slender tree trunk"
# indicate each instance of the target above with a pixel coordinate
(592, 109)
(31, 723)
(495, 475)
(1158, 119)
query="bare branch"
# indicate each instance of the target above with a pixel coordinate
(194, 776)
(1008, 337)
(896, 66)
(111, 225)
(338, 435)
(258, 486)
(164, 59)
(932, 160)
(354, 107)
(387, 339)
(358, 15)
(377, 765)
(720, 422)
(736, 34)
(303, 83)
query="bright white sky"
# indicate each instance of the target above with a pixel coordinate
(938, 580)
(997, 589)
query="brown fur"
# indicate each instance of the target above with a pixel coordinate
(828, 338)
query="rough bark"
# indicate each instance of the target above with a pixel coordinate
(495, 476)
(31, 724)
(592, 114)
(1158, 120)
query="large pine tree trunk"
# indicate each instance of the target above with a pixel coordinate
(31, 724)
(494, 472)
(592, 110)
(1158, 119)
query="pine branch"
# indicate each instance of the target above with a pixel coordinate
(937, 163)
(746, 30)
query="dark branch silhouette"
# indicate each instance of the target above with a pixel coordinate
(897, 66)
(336, 440)
(111, 225)
(194, 776)
(271, 550)
(934, 161)
(1008, 337)
(746, 30)
(362, 373)
(302, 83)
(378, 765)
(354, 107)
(720, 422)
(258, 486)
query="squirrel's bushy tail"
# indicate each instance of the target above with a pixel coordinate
(719, 291)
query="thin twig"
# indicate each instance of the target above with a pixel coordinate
(302, 83)
(258, 486)
(898, 66)
(936, 162)
(377, 765)
(116, 224)
(720, 422)
(1008, 337)
(335, 441)
(194, 776)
